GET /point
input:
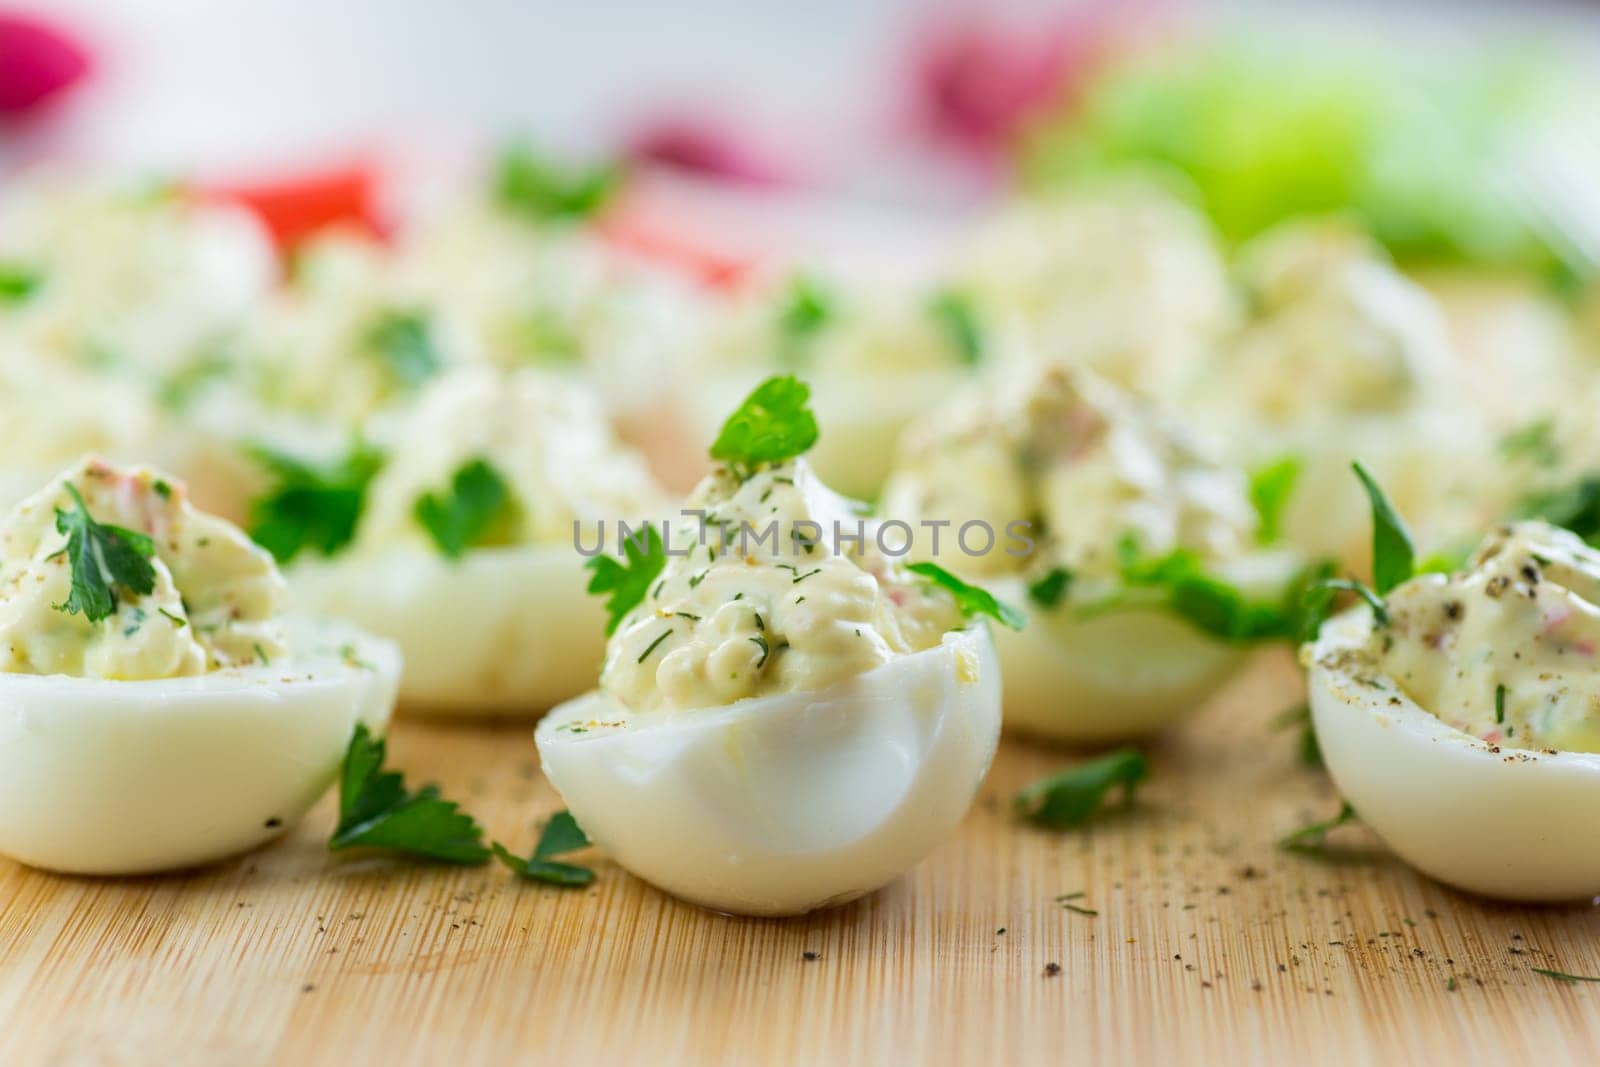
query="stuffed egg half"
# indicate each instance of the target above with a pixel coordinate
(466, 549)
(1090, 509)
(157, 710)
(780, 725)
(1464, 725)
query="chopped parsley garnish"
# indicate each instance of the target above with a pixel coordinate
(1563, 977)
(1499, 703)
(954, 313)
(628, 583)
(104, 560)
(1270, 489)
(1393, 558)
(377, 811)
(1048, 591)
(971, 599)
(541, 189)
(806, 309)
(311, 507)
(1071, 797)
(403, 342)
(653, 645)
(18, 282)
(772, 425)
(561, 835)
(1311, 838)
(476, 503)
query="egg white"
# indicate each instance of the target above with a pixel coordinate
(1504, 822)
(1120, 675)
(128, 777)
(784, 804)
(500, 631)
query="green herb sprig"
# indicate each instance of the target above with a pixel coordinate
(477, 502)
(377, 811)
(1070, 798)
(561, 835)
(1270, 490)
(971, 599)
(773, 424)
(309, 506)
(628, 583)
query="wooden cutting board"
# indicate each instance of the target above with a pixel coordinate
(1209, 944)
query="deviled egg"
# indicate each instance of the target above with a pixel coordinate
(1462, 719)
(466, 548)
(786, 719)
(1135, 551)
(135, 278)
(156, 708)
(1341, 355)
(1121, 277)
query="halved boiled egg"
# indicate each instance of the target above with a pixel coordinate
(1075, 674)
(787, 717)
(469, 550)
(1463, 730)
(1099, 516)
(783, 804)
(500, 630)
(156, 710)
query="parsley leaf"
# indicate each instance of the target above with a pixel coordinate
(464, 516)
(376, 811)
(773, 424)
(1048, 591)
(628, 583)
(1270, 489)
(1311, 838)
(561, 835)
(104, 558)
(1393, 558)
(18, 282)
(403, 342)
(535, 186)
(971, 599)
(956, 316)
(1071, 797)
(309, 506)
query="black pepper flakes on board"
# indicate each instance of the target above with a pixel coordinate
(1052, 969)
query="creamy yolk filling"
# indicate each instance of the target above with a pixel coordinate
(1506, 649)
(784, 611)
(215, 599)
(1082, 462)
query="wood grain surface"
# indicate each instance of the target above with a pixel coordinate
(1209, 945)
